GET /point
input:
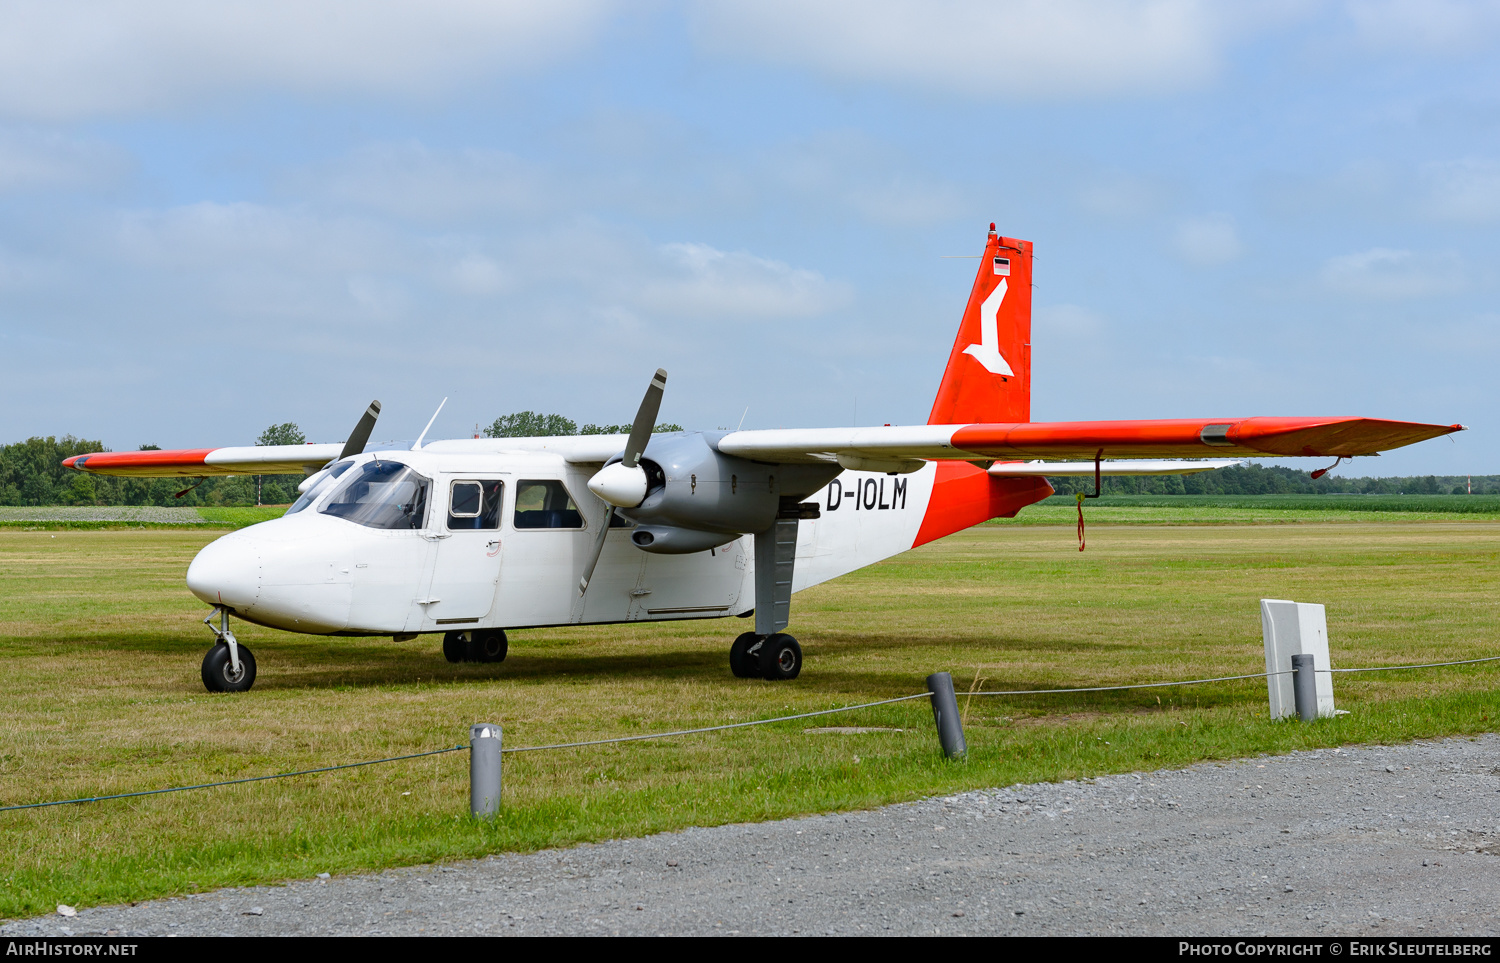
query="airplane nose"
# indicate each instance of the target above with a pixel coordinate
(227, 572)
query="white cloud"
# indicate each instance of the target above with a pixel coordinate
(479, 275)
(861, 174)
(17, 273)
(1384, 274)
(1115, 194)
(707, 284)
(987, 49)
(61, 59)
(412, 181)
(39, 159)
(1467, 190)
(1425, 26)
(1208, 240)
(1069, 322)
(229, 236)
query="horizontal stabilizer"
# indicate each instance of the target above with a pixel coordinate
(1070, 469)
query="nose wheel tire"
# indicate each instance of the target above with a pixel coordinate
(479, 645)
(219, 674)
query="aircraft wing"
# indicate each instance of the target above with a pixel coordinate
(1169, 438)
(199, 462)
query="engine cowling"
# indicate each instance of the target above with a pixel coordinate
(696, 493)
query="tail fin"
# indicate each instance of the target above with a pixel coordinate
(988, 379)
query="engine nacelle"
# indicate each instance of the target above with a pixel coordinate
(692, 486)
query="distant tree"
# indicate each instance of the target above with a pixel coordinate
(149, 448)
(274, 487)
(531, 424)
(287, 434)
(623, 429)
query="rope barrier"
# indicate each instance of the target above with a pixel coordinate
(1425, 665)
(1143, 685)
(231, 782)
(436, 752)
(732, 725)
(1230, 678)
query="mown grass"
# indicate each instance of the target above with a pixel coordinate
(240, 517)
(100, 643)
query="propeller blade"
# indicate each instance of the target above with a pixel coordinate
(645, 419)
(360, 436)
(588, 570)
(640, 434)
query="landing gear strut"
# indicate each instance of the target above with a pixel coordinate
(478, 645)
(228, 666)
(776, 657)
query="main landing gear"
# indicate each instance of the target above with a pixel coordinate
(228, 666)
(775, 657)
(477, 645)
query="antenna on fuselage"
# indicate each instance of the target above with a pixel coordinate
(429, 425)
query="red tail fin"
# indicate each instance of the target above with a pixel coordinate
(988, 379)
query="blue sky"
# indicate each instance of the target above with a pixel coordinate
(218, 217)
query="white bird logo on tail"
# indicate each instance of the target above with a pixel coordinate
(987, 351)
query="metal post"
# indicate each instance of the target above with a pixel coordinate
(484, 769)
(1304, 687)
(945, 714)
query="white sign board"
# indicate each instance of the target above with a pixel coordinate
(1295, 628)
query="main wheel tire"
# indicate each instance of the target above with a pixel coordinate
(744, 663)
(455, 646)
(218, 670)
(488, 645)
(780, 658)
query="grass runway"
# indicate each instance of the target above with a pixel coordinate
(100, 644)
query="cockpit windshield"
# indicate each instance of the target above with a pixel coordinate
(381, 494)
(319, 487)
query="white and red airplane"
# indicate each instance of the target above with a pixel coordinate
(474, 537)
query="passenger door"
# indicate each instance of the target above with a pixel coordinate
(469, 554)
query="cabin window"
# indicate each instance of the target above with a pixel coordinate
(381, 494)
(475, 505)
(545, 504)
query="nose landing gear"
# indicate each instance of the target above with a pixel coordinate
(228, 666)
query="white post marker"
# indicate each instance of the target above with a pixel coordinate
(1295, 628)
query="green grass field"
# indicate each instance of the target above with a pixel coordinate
(100, 644)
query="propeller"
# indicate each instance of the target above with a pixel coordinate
(623, 484)
(360, 436)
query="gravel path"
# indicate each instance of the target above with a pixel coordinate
(1366, 841)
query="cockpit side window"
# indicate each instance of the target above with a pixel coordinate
(319, 487)
(545, 504)
(381, 494)
(475, 504)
